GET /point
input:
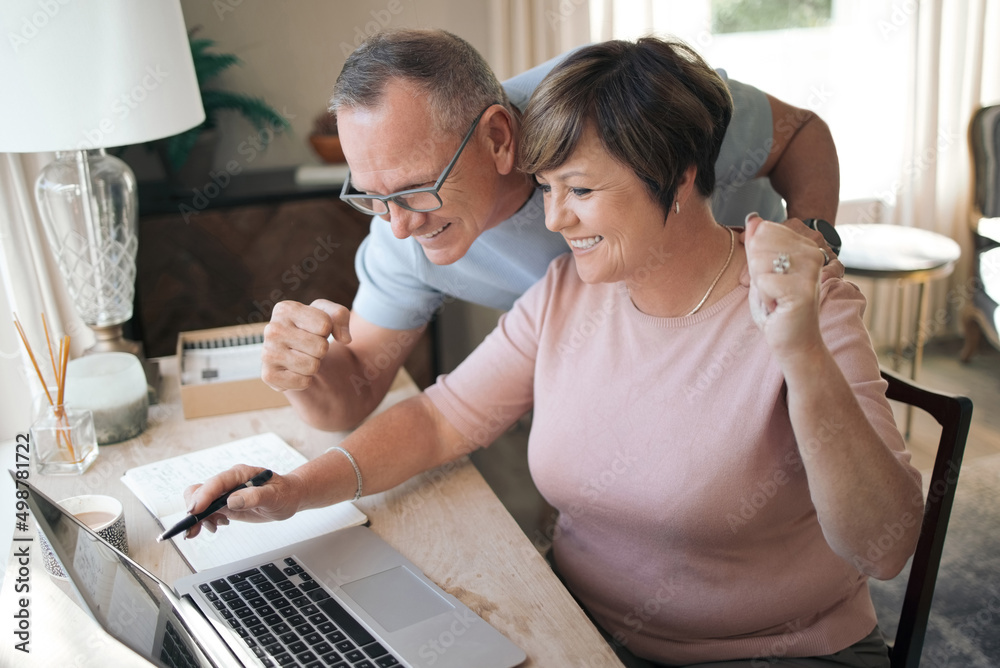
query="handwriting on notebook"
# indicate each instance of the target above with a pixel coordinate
(160, 486)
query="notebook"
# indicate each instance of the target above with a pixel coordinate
(343, 599)
(160, 486)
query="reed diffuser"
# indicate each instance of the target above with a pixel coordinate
(63, 439)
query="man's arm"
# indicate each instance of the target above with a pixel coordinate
(802, 164)
(332, 385)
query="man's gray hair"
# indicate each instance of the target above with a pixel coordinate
(457, 79)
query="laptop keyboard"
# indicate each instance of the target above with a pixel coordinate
(174, 653)
(286, 618)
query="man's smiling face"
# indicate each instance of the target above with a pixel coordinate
(397, 146)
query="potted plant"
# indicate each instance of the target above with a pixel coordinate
(324, 138)
(187, 157)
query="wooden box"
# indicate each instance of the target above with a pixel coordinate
(219, 371)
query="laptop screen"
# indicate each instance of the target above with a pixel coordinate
(128, 602)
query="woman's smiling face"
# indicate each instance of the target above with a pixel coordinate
(607, 215)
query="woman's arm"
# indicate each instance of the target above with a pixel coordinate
(862, 492)
(392, 447)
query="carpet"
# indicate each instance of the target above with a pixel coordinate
(964, 626)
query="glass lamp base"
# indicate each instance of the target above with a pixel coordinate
(110, 339)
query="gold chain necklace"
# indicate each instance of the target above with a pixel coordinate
(732, 245)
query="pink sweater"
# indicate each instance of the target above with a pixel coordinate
(685, 522)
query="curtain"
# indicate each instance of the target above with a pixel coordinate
(947, 89)
(525, 33)
(955, 71)
(31, 285)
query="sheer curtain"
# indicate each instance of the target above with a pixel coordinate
(31, 285)
(956, 70)
(525, 33)
(948, 86)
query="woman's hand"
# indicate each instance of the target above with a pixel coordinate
(278, 499)
(785, 272)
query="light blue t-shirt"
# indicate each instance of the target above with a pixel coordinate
(401, 289)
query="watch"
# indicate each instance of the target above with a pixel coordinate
(827, 230)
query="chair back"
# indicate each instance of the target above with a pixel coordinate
(954, 414)
(984, 140)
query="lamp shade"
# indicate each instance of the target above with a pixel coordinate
(85, 75)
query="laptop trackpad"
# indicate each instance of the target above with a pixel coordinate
(396, 598)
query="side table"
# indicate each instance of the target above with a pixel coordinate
(909, 256)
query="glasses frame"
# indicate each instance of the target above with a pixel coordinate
(395, 197)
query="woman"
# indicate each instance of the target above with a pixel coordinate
(709, 418)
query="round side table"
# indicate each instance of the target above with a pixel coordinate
(907, 255)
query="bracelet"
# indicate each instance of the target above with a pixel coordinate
(357, 471)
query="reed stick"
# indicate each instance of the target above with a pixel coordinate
(48, 342)
(60, 376)
(31, 355)
(61, 382)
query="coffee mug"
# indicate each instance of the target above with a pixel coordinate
(104, 514)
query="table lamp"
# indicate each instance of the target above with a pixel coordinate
(78, 78)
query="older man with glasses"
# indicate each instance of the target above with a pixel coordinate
(430, 136)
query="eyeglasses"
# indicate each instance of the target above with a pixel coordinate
(420, 200)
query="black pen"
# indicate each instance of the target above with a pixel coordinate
(219, 503)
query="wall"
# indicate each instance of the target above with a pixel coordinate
(292, 52)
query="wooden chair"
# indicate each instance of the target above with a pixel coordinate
(954, 414)
(981, 313)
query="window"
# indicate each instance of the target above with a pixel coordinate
(850, 61)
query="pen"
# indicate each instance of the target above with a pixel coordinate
(219, 503)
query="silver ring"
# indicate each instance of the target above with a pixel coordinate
(826, 257)
(782, 263)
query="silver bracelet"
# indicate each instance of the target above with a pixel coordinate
(357, 471)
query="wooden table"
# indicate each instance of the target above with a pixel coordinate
(447, 521)
(909, 256)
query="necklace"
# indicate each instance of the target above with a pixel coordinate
(732, 244)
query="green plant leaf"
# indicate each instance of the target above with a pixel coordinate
(207, 66)
(210, 65)
(259, 113)
(178, 147)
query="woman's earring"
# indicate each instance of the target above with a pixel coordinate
(677, 206)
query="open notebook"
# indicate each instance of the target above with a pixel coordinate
(160, 486)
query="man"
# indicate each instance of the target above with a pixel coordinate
(431, 136)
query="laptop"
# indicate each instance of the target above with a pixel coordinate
(343, 599)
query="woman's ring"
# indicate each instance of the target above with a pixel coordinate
(826, 257)
(782, 263)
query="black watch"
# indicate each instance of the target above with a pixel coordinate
(827, 230)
